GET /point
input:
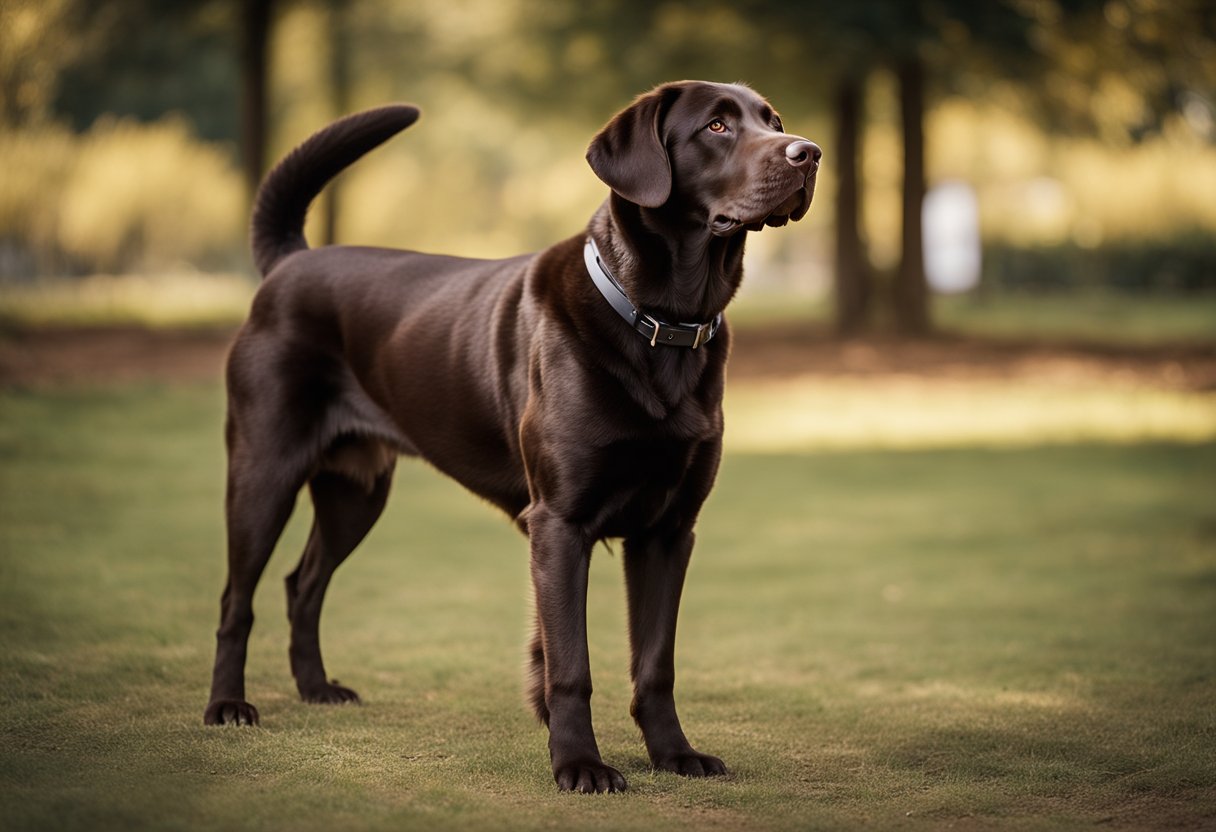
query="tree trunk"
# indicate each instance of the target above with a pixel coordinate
(853, 278)
(911, 293)
(339, 90)
(255, 25)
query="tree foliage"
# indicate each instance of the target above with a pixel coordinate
(1121, 70)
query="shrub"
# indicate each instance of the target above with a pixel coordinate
(123, 196)
(1186, 263)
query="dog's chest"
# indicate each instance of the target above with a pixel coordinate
(631, 485)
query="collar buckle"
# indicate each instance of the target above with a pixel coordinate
(676, 335)
(654, 322)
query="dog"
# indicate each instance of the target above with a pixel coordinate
(578, 388)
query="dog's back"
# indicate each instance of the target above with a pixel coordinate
(353, 333)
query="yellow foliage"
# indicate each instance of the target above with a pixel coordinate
(1038, 189)
(122, 195)
(37, 165)
(149, 193)
(35, 44)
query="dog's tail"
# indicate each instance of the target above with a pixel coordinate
(282, 202)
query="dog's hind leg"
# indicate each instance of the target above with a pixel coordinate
(345, 512)
(259, 503)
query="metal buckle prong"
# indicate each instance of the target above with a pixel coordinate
(700, 339)
(654, 338)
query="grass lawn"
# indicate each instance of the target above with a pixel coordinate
(1092, 316)
(1016, 637)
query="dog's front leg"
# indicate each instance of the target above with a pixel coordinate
(654, 579)
(561, 554)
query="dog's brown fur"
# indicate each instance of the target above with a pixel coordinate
(519, 380)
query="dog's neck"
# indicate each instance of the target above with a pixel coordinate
(667, 260)
(671, 267)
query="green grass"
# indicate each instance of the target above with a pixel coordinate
(1096, 316)
(980, 638)
(818, 413)
(1101, 317)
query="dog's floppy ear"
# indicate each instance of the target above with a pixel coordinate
(629, 153)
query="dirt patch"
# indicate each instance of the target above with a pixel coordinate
(111, 355)
(124, 354)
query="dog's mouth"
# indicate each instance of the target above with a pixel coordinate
(791, 209)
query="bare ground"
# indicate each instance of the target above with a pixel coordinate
(101, 356)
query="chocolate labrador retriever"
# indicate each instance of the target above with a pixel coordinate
(579, 389)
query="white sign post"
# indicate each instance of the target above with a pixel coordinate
(951, 223)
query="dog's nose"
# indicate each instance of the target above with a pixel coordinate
(803, 154)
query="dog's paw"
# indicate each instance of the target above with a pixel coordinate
(230, 712)
(589, 778)
(329, 693)
(692, 764)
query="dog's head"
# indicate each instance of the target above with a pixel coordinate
(714, 151)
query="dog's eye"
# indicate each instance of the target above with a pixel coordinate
(717, 126)
(777, 125)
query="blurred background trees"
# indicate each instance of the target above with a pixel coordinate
(133, 131)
